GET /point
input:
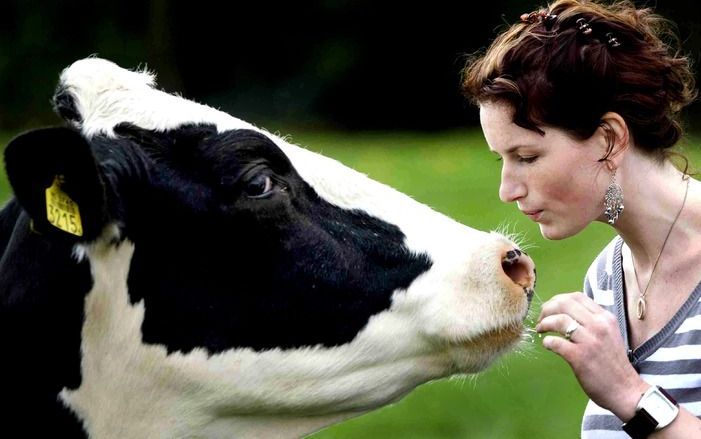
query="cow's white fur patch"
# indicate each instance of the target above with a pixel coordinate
(455, 318)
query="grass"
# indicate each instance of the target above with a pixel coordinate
(530, 393)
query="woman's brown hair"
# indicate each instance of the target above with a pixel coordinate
(568, 64)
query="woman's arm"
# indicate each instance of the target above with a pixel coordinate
(597, 355)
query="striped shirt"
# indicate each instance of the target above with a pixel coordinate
(670, 359)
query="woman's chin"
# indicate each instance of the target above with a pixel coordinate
(554, 232)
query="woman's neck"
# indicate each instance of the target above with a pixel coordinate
(653, 196)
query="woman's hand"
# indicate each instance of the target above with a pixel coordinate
(595, 351)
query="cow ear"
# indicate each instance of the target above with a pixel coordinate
(56, 179)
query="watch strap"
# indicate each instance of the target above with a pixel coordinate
(641, 425)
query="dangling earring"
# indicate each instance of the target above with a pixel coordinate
(613, 200)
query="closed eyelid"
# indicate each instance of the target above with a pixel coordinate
(516, 155)
(528, 159)
(525, 153)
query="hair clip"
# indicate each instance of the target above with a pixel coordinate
(611, 40)
(549, 21)
(583, 26)
(540, 17)
(534, 17)
(530, 18)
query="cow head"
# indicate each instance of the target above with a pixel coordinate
(241, 284)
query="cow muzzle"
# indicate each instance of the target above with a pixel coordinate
(520, 269)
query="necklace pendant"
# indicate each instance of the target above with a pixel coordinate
(640, 308)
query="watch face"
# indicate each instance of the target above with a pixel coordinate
(657, 405)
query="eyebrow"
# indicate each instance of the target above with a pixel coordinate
(511, 149)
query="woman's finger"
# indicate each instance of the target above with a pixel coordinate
(561, 347)
(561, 323)
(570, 304)
(587, 302)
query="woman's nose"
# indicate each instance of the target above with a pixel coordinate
(510, 189)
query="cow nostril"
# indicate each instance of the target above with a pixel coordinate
(519, 268)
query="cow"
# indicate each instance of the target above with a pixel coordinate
(170, 271)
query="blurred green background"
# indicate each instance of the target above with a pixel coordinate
(527, 394)
(350, 64)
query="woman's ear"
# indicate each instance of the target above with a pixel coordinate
(616, 137)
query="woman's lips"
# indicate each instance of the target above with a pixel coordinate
(533, 214)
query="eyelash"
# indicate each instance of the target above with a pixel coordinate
(527, 160)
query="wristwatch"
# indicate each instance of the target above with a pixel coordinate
(656, 410)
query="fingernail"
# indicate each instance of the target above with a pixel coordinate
(547, 343)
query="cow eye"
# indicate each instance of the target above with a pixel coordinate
(260, 186)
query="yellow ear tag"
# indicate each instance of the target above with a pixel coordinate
(61, 211)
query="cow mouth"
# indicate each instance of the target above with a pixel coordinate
(501, 335)
(479, 352)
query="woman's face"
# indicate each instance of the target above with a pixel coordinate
(556, 180)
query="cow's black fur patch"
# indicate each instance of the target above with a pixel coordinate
(64, 105)
(219, 269)
(42, 289)
(219, 262)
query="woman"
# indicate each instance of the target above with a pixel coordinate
(581, 101)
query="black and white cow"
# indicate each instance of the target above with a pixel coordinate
(170, 271)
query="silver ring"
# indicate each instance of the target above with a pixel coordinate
(571, 328)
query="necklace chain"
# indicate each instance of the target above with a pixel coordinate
(641, 306)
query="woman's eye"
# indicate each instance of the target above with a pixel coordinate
(259, 186)
(528, 159)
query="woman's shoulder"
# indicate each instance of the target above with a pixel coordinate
(600, 273)
(604, 261)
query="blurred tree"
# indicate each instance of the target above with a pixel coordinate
(353, 64)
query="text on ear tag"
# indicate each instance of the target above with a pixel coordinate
(61, 211)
